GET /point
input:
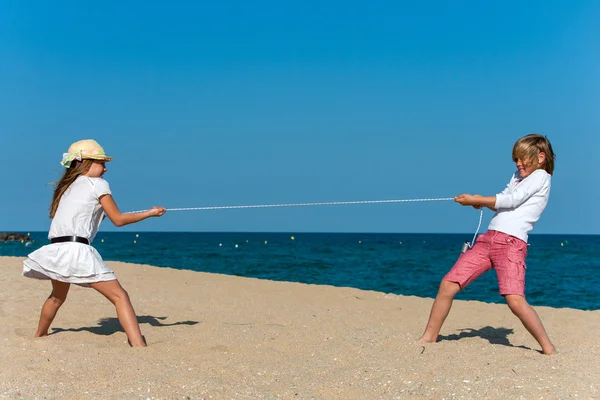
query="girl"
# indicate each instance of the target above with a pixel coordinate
(80, 200)
(504, 246)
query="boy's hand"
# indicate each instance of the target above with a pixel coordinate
(477, 201)
(466, 200)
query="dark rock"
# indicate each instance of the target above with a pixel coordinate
(13, 236)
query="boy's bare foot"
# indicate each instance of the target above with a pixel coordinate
(550, 351)
(425, 339)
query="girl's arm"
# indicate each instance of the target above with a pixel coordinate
(120, 219)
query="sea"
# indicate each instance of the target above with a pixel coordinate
(562, 270)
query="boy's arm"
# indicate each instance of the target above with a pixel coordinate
(478, 206)
(509, 185)
(476, 200)
(538, 180)
(527, 188)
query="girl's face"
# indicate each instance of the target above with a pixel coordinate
(97, 169)
(526, 167)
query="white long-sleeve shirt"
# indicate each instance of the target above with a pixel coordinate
(521, 204)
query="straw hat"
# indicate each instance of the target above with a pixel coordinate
(87, 149)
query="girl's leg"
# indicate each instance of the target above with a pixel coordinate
(530, 319)
(439, 311)
(51, 306)
(115, 293)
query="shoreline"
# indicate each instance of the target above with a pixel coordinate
(224, 336)
(384, 294)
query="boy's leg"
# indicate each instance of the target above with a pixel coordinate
(439, 311)
(51, 306)
(508, 257)
(469, 267)
(530, 319)
(115, 293)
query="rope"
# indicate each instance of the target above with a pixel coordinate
(301, 204)
(329, 203)
(478, 226)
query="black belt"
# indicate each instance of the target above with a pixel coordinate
(62, 239)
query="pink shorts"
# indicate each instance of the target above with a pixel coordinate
(505, 253)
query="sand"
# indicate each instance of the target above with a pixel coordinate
(215, 336)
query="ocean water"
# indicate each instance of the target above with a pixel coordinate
(562, 270)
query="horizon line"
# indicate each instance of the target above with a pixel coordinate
(311, 232)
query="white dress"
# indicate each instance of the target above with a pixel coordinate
(79, 213)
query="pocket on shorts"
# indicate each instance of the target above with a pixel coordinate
(516, 254)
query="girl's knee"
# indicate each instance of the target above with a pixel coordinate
(59, 292)
(112, 290)
(124, 295)
(120, 294)
(56, 300)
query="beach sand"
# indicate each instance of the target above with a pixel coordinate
(215, 336)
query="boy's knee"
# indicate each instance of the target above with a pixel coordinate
(516, 303)
(448, 288)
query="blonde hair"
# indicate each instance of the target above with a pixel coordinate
(76, 169)
(529, 147)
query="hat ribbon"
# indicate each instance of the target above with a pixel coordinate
(78, 155)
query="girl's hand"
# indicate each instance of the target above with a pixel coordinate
(466, 200)
(157, 211)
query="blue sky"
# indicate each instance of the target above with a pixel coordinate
(236, 102)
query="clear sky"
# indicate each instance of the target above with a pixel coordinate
(253, 102)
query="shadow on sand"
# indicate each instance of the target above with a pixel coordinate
(489, 333)
(108, 326)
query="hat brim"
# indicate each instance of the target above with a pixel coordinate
(99, 157)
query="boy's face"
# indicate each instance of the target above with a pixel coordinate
(526, 167)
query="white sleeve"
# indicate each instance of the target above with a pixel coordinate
(509, 184)
(101, 187)
(523, 191)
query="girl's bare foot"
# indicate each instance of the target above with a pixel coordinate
(142, 344)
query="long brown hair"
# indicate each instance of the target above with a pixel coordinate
(76, 169)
